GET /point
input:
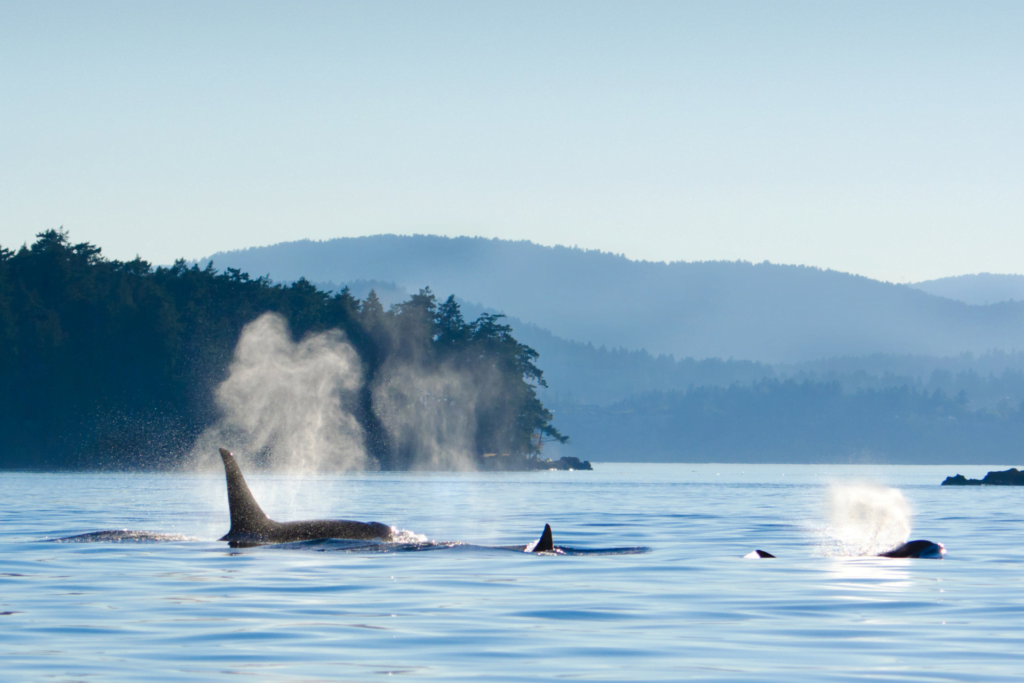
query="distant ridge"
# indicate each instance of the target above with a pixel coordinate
(763, 312)
(979, 290)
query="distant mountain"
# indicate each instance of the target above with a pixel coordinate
(979, 290)
(584, 374)
(762, 312)
(581, 373)
(388, 292)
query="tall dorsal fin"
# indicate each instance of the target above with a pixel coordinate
(546, 544)
(246, 515)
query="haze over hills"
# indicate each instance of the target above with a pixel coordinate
(979, 290)
(180, 324)
(762, 312)
(581, 373)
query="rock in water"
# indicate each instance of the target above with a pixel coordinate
(1010, 477)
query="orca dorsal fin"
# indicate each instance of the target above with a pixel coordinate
(246, 515)
(546, 544)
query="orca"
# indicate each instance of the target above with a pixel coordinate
(912, 549)
(250, 526)
(922, 549)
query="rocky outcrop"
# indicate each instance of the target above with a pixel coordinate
(1010, 477)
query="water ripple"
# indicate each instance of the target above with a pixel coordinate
(651, 586)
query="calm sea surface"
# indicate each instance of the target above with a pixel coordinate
(186, 607)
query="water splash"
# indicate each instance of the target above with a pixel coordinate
(406, 536)
(864, 518)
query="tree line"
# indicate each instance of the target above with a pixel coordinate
(776, 420)
(584, 374)
(114, 363)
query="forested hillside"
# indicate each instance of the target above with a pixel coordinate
(109, 363)
(584, 374)
(587, 374)
(762, 312)
(116, 364)
(796, 422)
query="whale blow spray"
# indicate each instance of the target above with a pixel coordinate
(286, 401)
(866, 518)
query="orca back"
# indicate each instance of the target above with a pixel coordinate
(920, 549)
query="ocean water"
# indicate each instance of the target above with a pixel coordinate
(679, 603)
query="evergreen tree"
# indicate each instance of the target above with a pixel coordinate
(108, 363)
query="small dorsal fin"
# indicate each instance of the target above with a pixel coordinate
(246, 515)
(546, 544)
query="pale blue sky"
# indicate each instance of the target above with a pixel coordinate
(877, 138)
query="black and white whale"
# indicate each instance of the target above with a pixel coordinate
(911, 549)
(250, 525)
